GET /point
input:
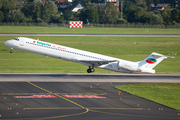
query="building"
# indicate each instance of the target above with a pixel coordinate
(116, 3)
(162, 6)
(159, 7)
(77, 7)
(21, 3)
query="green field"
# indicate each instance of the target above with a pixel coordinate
(164, 93)
(91, 30)
(120, 47)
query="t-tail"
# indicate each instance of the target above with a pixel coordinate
(150, 62)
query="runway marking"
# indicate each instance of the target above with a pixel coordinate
(90, 108)
(55, 94)
(49, 94)
(87, 110)
(54, 108)
(132, 115)
(36, 96)
(83, 96)
(104, 108)
(44, 118)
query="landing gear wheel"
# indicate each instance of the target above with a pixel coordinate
(90, 70)
(11, 50)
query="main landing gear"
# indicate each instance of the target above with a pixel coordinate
(11, 50)
(91, 69)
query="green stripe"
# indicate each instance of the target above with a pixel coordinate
(152, 59)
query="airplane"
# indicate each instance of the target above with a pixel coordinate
(92, 60)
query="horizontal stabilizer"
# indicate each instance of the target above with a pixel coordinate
(157, 55)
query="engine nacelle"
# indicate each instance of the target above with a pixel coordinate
(127, 65)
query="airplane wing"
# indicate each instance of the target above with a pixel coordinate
(96, 63)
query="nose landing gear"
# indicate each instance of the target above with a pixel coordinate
(11, 50)
(91, 69)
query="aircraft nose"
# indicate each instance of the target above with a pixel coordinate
(7, 43)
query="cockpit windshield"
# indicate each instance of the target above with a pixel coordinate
(16, 39)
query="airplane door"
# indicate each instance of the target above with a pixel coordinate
(21, 42)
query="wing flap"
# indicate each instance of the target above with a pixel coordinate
(96, 62)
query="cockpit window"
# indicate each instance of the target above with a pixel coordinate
(16, 39)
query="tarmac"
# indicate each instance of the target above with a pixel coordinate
(79, 97)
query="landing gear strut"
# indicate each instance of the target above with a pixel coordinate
(11, 50)
(91, 69)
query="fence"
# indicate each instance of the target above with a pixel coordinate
(33, 24)
(91, 25)
(131, 26)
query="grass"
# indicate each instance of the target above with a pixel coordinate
(119, 47)
(92, 30)
(164, 93)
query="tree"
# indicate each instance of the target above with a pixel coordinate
(92, 11)
(101, 13)
(1, 16)
(155, 2)
(75, 16)
(148, 4)
(1, 3)
(55, 18)
(94, 18)
(27, 9)
(166, 14)
(7, 5)
(39, 20)
(147, 17)
(129, 10)
(97, 1)
(67, 15)
(62, 20)
(156, 12)
(135, 13)
(112, 14)
(82, 1)
(90, 14)
(139, 13)
(36, 9)
(121, 21)
(156, 19)
(47, 10)
(140, 2)
(175, 14)
(14, 16)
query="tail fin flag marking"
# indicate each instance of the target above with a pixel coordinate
(151, 60)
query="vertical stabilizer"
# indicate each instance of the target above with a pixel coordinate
(150, 62)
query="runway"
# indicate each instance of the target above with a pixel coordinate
(105, 35)
(81, 77)
(63, 96)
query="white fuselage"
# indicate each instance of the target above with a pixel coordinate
(75, 55)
